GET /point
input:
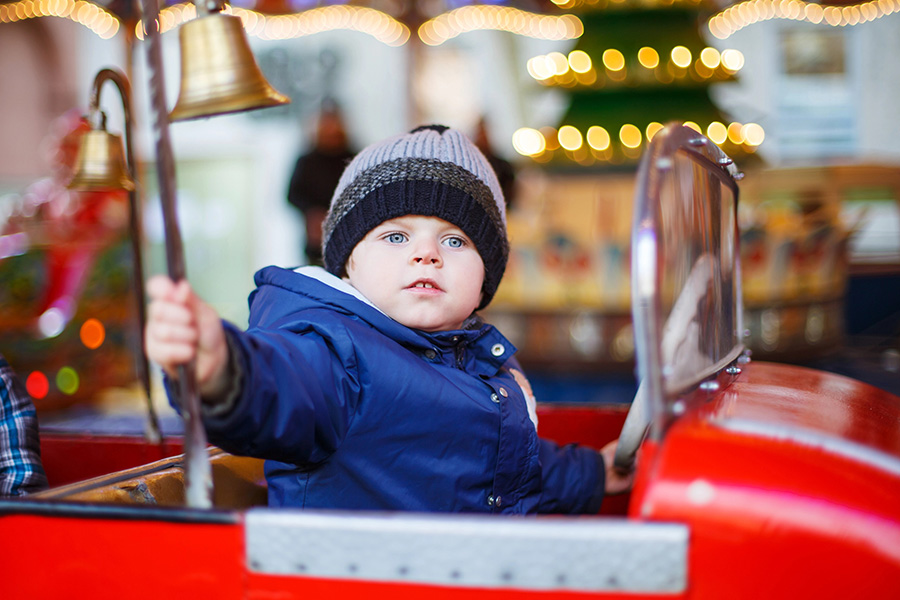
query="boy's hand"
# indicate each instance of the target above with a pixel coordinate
(617, 482)
(181, 328)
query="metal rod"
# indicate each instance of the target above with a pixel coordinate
(152, 432)
(198, 473)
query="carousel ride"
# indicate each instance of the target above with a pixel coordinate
(743, 467)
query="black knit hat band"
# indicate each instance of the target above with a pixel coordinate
(413, 169)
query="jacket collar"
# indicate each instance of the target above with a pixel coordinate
(484, 348)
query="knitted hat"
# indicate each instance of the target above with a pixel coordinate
(433, 171)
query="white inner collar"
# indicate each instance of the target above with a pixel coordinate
(334, 282)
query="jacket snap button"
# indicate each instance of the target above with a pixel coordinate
(497, 349)
(504, 393)
(495, 398)
(430, 354)
(490, 500)
(497, 501)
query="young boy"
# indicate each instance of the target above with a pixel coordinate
(372, 384)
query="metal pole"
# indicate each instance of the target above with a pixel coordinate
(152, 431)
(198, 473)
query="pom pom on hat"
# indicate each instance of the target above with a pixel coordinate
(432, 171)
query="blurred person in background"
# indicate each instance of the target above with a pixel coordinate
(316, 175)
(506, 173)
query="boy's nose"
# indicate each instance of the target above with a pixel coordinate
(426, 251)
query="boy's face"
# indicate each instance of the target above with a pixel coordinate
(421, 271)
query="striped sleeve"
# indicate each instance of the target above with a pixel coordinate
(21, 471)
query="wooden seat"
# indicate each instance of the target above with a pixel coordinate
(238, 482)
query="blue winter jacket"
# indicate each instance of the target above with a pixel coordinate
(353, 410)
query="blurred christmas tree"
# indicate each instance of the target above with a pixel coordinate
(638, 65)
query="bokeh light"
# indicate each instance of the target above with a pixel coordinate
(528, 141)
(741, 14)
(67, 380)
(652, 129)
(37, 385)
(613, 59)
(579, 61)
(630, 136)
(570, 138)
(753, 134)
(538, 68)
(52, 322)
(681, 56)
(717, 132)
(693, 126)
(733, 60)
(735, 133)
(710, 57)
(92, 333)
(598, 138)
(558, 62)
(648, 57)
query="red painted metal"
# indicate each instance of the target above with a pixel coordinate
(774, 516)
(593, 426)
(71, 457)
(96, 557)
(770, 516)
(267, 587)
(68, 458)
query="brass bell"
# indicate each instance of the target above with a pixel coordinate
(101, 163)
(218, 72)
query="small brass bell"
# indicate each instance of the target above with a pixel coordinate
(101, 163)
(218, 72)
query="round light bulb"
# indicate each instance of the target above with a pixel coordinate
(681, 56)
(630, 136)
(648, 57)
(570, 138)
(598, 138)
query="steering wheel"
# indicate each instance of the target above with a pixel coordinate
(633, 431)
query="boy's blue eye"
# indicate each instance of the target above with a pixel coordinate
(396, 238)
(455, 242)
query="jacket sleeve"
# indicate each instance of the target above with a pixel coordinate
(573, 477)
(298, 392)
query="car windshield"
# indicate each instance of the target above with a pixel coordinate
(686, 279)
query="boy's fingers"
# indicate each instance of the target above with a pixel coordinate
(168, 332)
(159, 287)
(162, 314)
(183, 293)
(617, 481)
(170, 344)
(170, 355)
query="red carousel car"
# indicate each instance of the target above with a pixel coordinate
(754, 480)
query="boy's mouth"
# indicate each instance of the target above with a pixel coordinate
(425, 284)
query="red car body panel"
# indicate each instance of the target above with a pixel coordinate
(770, 515)
(111, 554)
(796, 506)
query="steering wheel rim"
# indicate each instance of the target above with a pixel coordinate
(637, 421)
